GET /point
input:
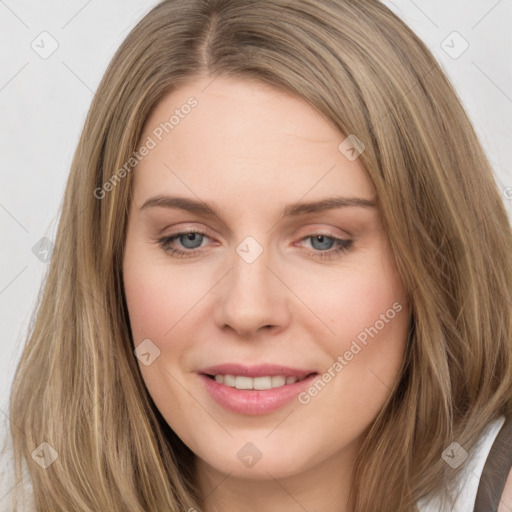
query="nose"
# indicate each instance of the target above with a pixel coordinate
(253, 298)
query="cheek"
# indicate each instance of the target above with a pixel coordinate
(366, 311)
(350, 300)
(148, 303)
(161, 308)
(156, 297)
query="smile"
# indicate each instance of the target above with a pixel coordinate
(258, 383)
(254, 390)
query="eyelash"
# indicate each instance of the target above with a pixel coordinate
(341, 245)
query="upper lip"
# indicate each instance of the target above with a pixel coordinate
(260, 370)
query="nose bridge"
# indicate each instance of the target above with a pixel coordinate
(252, 297)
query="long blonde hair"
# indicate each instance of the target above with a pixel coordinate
(78, 386)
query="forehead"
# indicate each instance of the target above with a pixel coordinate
(246, 137)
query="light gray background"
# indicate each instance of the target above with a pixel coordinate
(44, 101)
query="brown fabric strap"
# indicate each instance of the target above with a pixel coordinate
(496, 470)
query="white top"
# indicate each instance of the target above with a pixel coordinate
(461, 499)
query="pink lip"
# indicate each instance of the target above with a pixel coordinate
(254, 402)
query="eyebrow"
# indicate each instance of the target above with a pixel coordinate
(291, 210)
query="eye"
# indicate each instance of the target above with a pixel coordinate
(324, 246)
(190, 240)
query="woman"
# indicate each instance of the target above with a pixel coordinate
(281, 280)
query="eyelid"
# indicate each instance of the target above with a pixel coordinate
(185, 230)
(332, 232)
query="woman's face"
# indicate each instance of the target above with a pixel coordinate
(273, 278)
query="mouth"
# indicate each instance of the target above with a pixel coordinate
(257, 383)
(255, 390)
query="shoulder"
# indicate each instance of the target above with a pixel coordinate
(8, 482)
(461, 497)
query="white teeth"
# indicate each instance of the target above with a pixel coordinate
(243, 382)
(278, 380)
(259, 383)
(229, 380)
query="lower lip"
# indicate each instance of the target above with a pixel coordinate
(252, 402)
